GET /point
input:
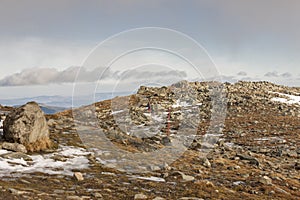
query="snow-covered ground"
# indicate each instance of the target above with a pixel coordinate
(181, 104)
(74, 158)
(289, 99)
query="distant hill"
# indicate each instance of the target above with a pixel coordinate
(62, 101)
(51, 109)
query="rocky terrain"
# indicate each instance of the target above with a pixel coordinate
(186, 141)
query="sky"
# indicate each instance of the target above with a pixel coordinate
(43, 44)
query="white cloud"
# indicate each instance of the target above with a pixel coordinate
(272, 74)
(44, 76)
(242, 73)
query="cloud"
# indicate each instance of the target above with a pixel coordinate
(276, 74)
(143, 74)
(286, 75)
(272, 74)
(242, 73)
(44, 76)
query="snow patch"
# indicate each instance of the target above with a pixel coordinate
(116, 112)
(75, 159)
(151, 178)
(181, 104)
(289, 99)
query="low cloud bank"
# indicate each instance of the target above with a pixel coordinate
(44, 76)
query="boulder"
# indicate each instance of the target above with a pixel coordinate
(27, 125)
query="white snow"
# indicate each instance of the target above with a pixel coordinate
(289, 99)
(238, 183)
(75, 159)
(151, 178)
(180, 104)
(116, 112)
(157, 118)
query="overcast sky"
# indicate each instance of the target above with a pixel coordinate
(250, 39)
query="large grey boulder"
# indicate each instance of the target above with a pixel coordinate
(27, 125)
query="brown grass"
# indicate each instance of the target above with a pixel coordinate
(40, 145)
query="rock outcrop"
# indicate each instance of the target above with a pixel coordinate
(27, 125)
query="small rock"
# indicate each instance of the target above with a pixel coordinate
(252, 160)
(97, 195)
(166, 167)
(154, 168)
(59, 158)
(59, 191)
(140, 196)
(166, 141)
(16, 155)
(78, 176)
(209, 184)
(266, 180)
(205, 162)
(190, 198)
(185, 178)
(188, 178)
(74, 198)
(292, 154)
(159, 198)
(272, 192)
(14, 147)
(16, 192)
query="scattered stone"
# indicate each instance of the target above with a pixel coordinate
(14, 147)
(266, 180)
(78, 176)
(154, 168)
(16, 192)
(16, 155)
(97, 195)
(140, 196)
(166, 141)
(158, 198)
(59, 158)
(209, 184)
(252, 160)
(292, 154)
(205, 162)
(185, 178)
(74, 198)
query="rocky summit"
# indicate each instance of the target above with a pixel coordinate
(190, 140)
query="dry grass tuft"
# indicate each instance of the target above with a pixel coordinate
(40, 145)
